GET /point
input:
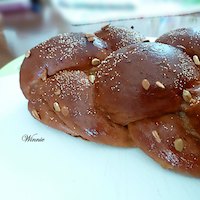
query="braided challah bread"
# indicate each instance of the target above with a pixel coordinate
(114, 87)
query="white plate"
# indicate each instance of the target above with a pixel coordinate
(67, 168)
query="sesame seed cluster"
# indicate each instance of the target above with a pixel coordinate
(126, 37)
(65, 45)
(118, 37)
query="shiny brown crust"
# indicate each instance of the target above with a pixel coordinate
(56, 78)
(71, 51)
(120, 76)
(145, 83)
(187, 39)
(112, 88)
(169, 128)
(118, 37)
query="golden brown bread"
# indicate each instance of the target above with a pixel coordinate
(148, 80)
(111, 88)
(70, 95)
(70, 51)
(118, 37)
(57, 79)
(187, 39)
(120, 76)
(166, 140)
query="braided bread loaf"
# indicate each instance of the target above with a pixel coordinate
(113, 87)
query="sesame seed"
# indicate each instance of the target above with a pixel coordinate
(35, 114)
(57, 91)
(51, 118)
(91, 78)
(90, 39)
(65, 45)
(181, 47)
(56, 106)
(193, 101)
(125, 36)
(65, 81)
(178, 144)
(44, 75)
(28, 54)
(65, 111)
(160, 85)
(187, 96)
(108, 116)
(95, 61)
(145, 84)
(196, 60)
(156, 136)
(33, 91)
(88, 35)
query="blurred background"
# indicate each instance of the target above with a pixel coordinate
(25, 23)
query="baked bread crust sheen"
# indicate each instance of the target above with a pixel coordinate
(113, 87)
